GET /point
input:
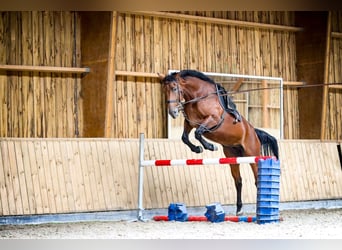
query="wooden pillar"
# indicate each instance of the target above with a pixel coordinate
(326, 75)
(111, 76)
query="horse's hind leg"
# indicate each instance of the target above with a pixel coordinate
(235, 170)
(236, 151)
(185, 138)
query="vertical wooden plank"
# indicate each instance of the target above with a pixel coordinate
(79, 117)
(62, 182)
(164, 175)
(21, 168)
(68, 57)
(26, 59)
(63, 84)
(4, 196)
(48, 37)
(75, 168)
(184, 40)
(28, 176)
(97, 194)
(103, 172)
(56, 189)
(149, 194)
(76, 181)
(157, 181)
(121, 186)
(37, 52)
(98, 178)
(38, 149)
(157, 46)
(38, 203)
(12, 181)
(175, 45)
(15, 83)
(139, 107)
(193, 46)
(150, 129)
(71, 198)
(132, 171)
(46, 167)
(208, 47)
(88, 174)
(218, 48)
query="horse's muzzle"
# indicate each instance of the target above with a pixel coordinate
(174, 113)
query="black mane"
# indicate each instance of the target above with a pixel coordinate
(195, 73)
(170, 78)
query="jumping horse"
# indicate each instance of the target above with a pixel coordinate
(206, 106)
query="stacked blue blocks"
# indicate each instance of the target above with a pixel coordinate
(215, 212)
(177, 212)
(268, 191)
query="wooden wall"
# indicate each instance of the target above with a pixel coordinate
(37, 104)
(43, 176)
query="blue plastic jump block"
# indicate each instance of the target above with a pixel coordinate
(269, 167)
(215, 212)
(177, 212)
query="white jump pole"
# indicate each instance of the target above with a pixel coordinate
(141, 177)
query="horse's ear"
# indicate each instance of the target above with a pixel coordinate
(161, 76)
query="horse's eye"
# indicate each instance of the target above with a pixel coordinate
(174, 89)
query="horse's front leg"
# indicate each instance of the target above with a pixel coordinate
(198, 135)
(185, 138)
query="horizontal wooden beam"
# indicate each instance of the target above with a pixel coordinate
(214, 20)
(293, 84)
(48, 69)
(134, 74)
(336, 34)
(336, 86)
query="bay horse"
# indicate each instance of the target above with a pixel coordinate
(204, 104)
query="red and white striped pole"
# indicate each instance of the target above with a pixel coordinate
(209, 161)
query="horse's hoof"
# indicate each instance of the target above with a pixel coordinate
(198, 150)
(239, 213)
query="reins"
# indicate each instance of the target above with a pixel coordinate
(257, 89)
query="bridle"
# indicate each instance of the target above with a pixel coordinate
(180, 106)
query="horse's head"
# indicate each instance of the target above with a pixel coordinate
(173, 93)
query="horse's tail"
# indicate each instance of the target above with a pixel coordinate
(269, 143)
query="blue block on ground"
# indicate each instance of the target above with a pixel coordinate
(215, 212)
(177, 212)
